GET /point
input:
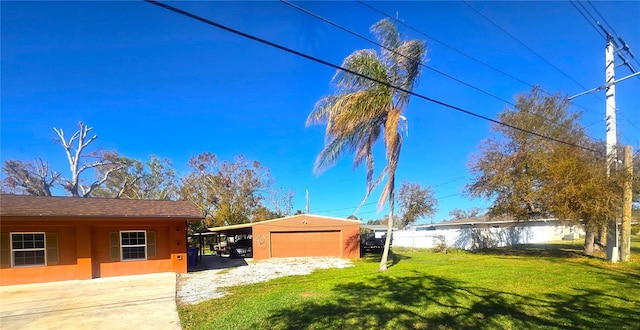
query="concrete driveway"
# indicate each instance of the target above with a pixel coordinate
(126, 302)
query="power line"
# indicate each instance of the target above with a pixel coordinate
(457, 50)
(445, 44)
(588, 20)
(348, 208)
(337, 67)
(602, 17)
(452, 180)
(600, 32)
(449, 196)
(524, 45)
(323, 19)
(628, 121)
(624, 47)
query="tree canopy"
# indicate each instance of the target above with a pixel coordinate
(527, 176)
(230, 193)
(415, 202)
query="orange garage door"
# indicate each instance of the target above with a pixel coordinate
(306, 244)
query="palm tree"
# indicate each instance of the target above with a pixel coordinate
(363, 109)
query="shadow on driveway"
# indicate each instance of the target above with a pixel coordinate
(209, 262)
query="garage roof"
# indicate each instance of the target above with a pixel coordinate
(249, 225)
(76, 207)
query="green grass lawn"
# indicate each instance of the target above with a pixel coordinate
(525, 287)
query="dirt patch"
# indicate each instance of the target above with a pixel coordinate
(195, 287)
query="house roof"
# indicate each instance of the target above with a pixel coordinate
(482, 220)
(248, 225)
(76, 207)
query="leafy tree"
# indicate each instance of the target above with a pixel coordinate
(462, 214)
(228, 193)
(510, 164)
(384, 221)
(415, 201)
(154, 179)
(121, 183)
(29, 178)
(360, 110)
(374, 222)
(578, 189)
(527, 176)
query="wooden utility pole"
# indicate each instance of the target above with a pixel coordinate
(625, 230)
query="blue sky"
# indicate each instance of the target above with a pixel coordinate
(150, 81)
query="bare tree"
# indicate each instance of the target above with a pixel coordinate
(30, 178)
(74, 148)
(281, 201)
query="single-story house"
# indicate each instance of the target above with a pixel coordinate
(302, 235)
(46, 239)
(483, 232)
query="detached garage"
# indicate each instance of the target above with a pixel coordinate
(302, 235)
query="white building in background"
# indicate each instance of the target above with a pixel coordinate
(482, 232)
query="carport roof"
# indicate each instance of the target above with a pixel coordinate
(249, 225)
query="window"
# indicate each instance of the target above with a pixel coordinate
(28, 249)
(133, 245)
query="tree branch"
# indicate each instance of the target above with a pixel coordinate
(86, 193)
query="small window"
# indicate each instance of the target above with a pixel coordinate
(28, 249)
(133, 245)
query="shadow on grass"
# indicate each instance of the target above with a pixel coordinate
(558, 250)
(419, 300)
(635, 246)
(393, 259)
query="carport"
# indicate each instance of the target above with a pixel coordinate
(302, 235)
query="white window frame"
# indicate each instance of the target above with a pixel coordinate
(122, 246)
(12, 250)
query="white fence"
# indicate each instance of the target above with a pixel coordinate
(471, 237)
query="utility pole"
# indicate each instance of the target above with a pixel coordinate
(625, 230)
(610, 114)
(611, 50)
(613, 248)
(307, 198)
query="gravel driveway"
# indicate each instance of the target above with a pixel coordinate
(220, 273)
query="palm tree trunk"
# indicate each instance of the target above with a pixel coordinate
(387, 241)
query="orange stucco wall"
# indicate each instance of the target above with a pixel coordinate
(349, 233)
(84, 249)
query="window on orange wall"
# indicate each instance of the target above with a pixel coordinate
(28, 249)
(133, 245)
